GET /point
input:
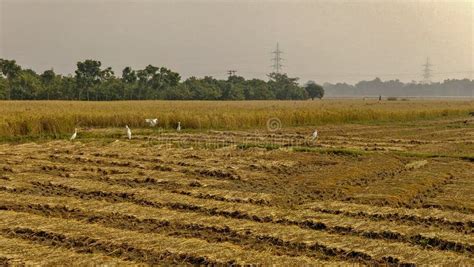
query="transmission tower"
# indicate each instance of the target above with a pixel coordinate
(427, 71)
(277, 59)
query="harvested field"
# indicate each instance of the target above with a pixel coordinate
(398, 193)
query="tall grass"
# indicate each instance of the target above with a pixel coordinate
(55, 118)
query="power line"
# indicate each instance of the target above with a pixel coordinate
(277, 59)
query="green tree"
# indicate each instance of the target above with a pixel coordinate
(314, 90)
(48, 78)
(9, 68)
(102, 88)
(285, 88)
(129, 79)
(67, 87)
(111, 89)
(3, 88)
(162, 80)
(233, 92)
(203, 89)
(88, 74)
(179, 92)
(257, 89)
(145, 82)
(233, 88)
(27, 85)
(129, 75)
(107, 74)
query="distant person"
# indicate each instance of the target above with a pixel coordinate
(380, 97)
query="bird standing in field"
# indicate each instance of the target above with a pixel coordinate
(74, 135)
(315, 135)
(152, 122)
(179, 126)
(129, 132)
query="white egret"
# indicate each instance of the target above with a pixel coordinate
(315, 135)
(152, 122)
(74, 135)
(179, 126)
(129, 132)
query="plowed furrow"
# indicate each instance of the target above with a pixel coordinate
(98, 162)
(216, 233)
(195, 188)
(122, 175)
(462, 227)
(132, 245)
(460, 222)
(21, 252)
(172, 185)
(4, 261)
(120, 159)
(466, 210)
(89, 245)
(455, 220)
(211, 234)
(217, 174)
(378, 176)
(220, 197)
(325, 225)
(431, 192)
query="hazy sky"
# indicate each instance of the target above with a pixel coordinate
(326, 41)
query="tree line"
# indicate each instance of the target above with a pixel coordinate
(376, 87)
(92, 81)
